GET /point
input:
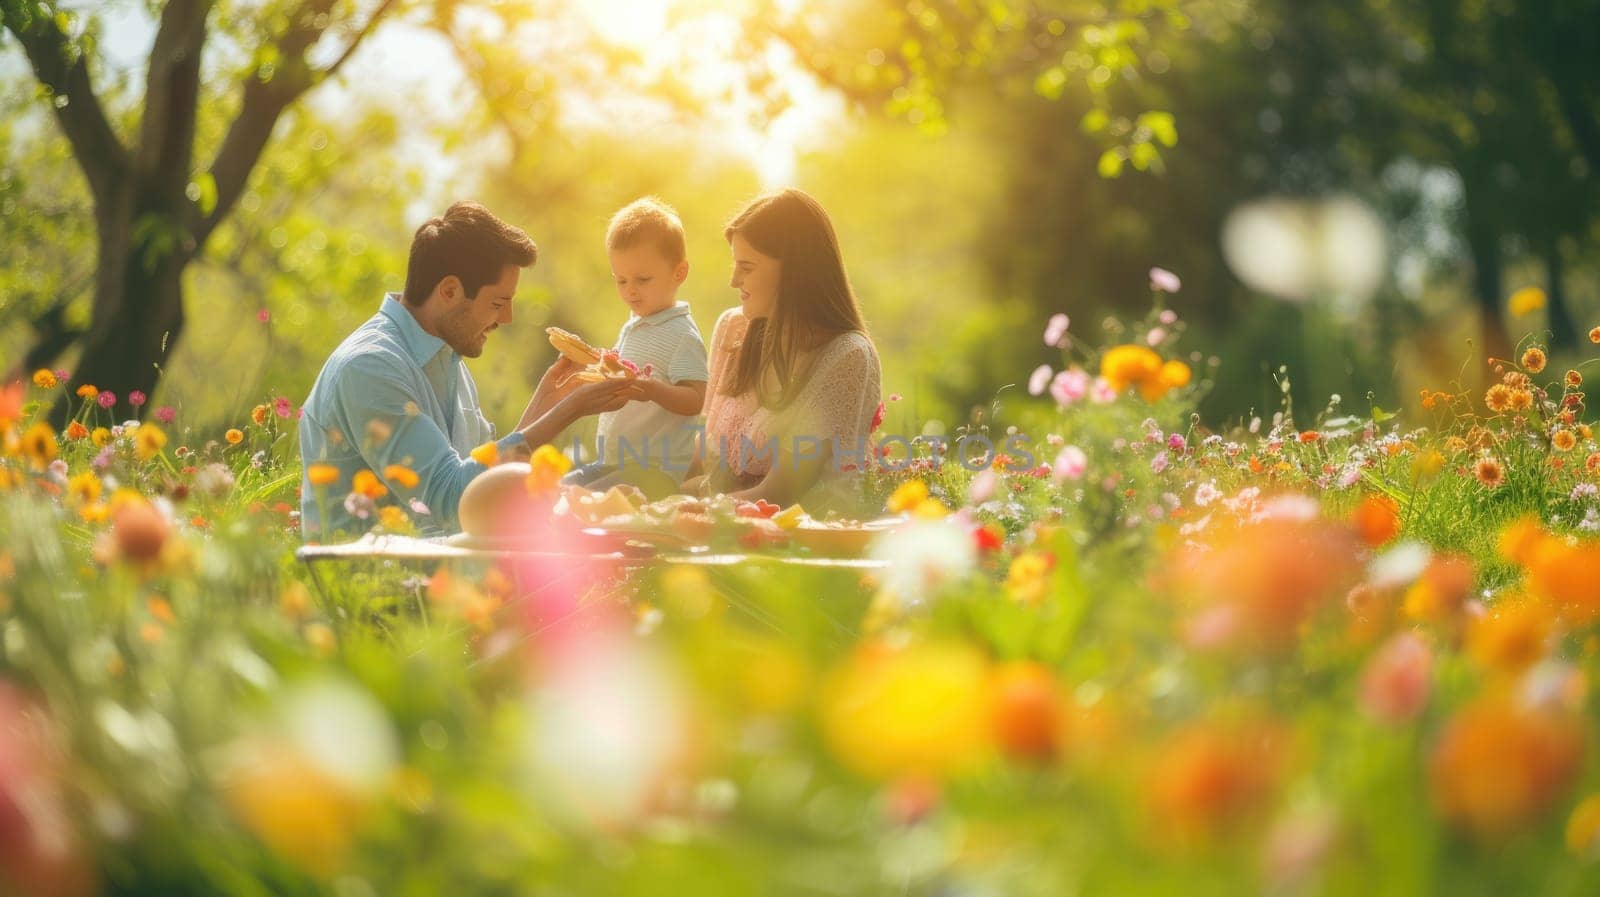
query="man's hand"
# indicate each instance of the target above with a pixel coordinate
(595, 398)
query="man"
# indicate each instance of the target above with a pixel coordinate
(397, 394)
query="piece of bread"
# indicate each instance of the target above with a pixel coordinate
(572, 346)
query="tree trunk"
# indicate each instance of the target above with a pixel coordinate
(1483, 242)
(1563, 332)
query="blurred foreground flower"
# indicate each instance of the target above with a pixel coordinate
(1212, 776)
(39, 852)
(1499, 765)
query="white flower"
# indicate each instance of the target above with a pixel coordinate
(924, 556)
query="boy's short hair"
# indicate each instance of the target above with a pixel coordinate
(648, 219)
(469, 242)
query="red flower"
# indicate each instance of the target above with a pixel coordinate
(877, 419)
(987, 538)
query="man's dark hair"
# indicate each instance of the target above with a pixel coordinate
(469, 242)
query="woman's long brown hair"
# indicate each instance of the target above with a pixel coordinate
(814, 302)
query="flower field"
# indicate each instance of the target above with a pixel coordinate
(1340, 651)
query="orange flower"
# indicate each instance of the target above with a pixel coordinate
(76, 430)
(1594, 335)
(1518, 539)
(1533, 359)
(1592, 463)
(234, 436)
(1175, 374)
(487, 454)
(365, 482)
(87, 392)
(1498, 766)
(322, 474)
(44, 378)
(548, 466)
(1498, 398)
(1211, 775)
(1562, 572)
(1130, 365)
(401, 476)
(1428, 398)
(260, 414)
(1489, 472)
(1564, 441)
(1521, 400)
(1573, 379)
(1376, 519)
(1512, 636)
(1441, 591)
(1307, 436)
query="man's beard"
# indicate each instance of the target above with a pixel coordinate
(462, 334)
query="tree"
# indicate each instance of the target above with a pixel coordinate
(153, 209)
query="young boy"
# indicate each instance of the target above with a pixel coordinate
(649, 443)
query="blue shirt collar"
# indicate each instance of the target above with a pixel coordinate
(676, 309)
(419, 343)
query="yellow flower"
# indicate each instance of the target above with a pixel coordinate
(1028, 579)
(44, 378)
(1175, 374)
(1427, 464)
(908, 496)
(401, 476)
(394, 519)
(39, 445)
(322, 474)
(1129, 365)
(487, 454)
(1564, 441)
(100, 436)
(87, 392)
(919, 710)
(1533, 359)
(1526, 300)
(84, 488)
(1521, 400)
(548, 467)
(234, 436)
(148, 441)
(366, 483)
(260, 414)
(1498, 398)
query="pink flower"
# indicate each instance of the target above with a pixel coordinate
(281, 406)
(1155, 336)
(982, 488)
(1101, 392)
(1069, 386)
(1055, 331)
(1070, 464)
(1168, 317)
(1159, 463)
(1176, 443)
(1396, 682)
(63, 375)
(263, 316)
(106, 398)
(877, 419)
(1164, 281)
(894, 397)
(136, 398)
(1039, 379)
(166, 414)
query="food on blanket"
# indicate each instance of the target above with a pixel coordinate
(593, 507)
(573, 346)
(497, 504)
(683, 521)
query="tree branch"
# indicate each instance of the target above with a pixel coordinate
(265, 101)
(65, 70)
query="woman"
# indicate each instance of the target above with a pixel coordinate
(794, 378)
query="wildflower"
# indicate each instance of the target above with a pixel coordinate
(394, 519)
(39, 445)
(1308, 436)
(1164, 281)
(84, 488)
(1498, 766)
(1489, 472)
(1564, 441)
(1594, 335)
(1521, 400)
(1526, 301)
(1055, 330)
(137, 399)
(1533, 360)
(1039, 379)
(322, 474)
(1175, 374)
(1573, 379)
(877, 419)
(106, 399)
(1212, 775)
(234, 436)
(44, 378)
(166, 414)
(358, 505)
(263, 316)
(1070, 464)
(1396, 682)
(1592, 463)
(548, 465)
(487, 454)
(1376, 519)
(87, 391)
(282, 407)
(1512, 636)
(1155, 336)
(1498, 398)
(1129, 365)
(1441, 590)
(76, 430)
(400, 475)
(259, 414)
(148, 441)
(1427, 464)
(1069, 386)
(366, 483)
(907, 496)
(138, 529)
(1026, 711)
(921, 710)
(1028, 578)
